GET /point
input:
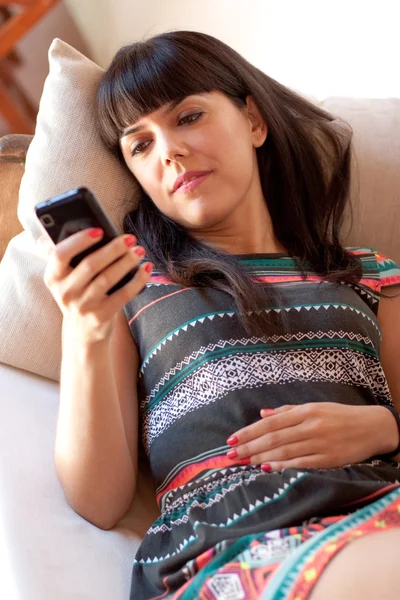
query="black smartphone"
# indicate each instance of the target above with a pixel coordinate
(73, 211)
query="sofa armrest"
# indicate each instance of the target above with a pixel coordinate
(47, 550)
(13, 149)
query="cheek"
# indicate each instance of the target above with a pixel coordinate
(150, 179)
(234, 149)
(237, 166)
(147, 178)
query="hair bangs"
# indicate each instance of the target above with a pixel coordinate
(142, 78)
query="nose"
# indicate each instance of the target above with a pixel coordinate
(168, 161)
(172, 149)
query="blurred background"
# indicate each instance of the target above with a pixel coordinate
(319, 47)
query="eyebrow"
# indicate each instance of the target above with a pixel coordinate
(172, 105)
(167, 111)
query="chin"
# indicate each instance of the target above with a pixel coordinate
(203, 215)
(202, 223)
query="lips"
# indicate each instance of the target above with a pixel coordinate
(188, 176)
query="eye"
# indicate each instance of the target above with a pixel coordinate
(138, 148)
(192, 118)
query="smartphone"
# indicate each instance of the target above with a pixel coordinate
(73, 211)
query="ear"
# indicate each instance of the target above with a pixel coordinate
(258, 126)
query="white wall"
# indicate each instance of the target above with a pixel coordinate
(34, 46)
(320, 47)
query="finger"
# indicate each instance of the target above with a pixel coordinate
(266, 412)
(285, 452)
(64, 252)
(261, 448)
(125, 293)
(101, 270)
(313, 461)
(289, 418)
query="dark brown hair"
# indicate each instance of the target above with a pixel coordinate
(304, 163)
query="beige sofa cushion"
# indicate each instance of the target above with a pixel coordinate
(375, 171)
(66, 151)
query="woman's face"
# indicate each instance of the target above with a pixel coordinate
(205, 133)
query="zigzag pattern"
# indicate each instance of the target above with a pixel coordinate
(231, 521)
(174, 508)
(298, 337)
(175, 502)
(160, 526)
(370, 294)
(200, 320)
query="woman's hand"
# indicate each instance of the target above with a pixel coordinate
(81, 292)
(322, 435)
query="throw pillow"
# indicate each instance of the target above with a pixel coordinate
(66, 151)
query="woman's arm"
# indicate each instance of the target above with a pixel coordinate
(96, 440)
(389, 321)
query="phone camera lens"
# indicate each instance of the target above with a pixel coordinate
(47, 220)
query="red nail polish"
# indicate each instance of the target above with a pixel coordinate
(245, 461)
(149, 267)
(97, 232)
(232, 441)
(130, 240)
(140, 251)
(266, 467)
(232, 454)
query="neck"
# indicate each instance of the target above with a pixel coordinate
(247, 230)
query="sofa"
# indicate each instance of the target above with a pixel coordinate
(49, 552)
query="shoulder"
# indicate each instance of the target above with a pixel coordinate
(382, 273)
(379, 270)
(387, 277)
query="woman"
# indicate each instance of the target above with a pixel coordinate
(267, 401)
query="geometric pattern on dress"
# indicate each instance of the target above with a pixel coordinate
(271, 549)
(191, 472)
(211, 493)
(201, 318)
(196, 468)
(227, 586)
(177, 513)
(372, 297)
(265, 339)
(216, 378)
(251, 509)
(376, 516)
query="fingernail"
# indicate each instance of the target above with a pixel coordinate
(130, 240)
(266, 467)
(96, 232)
(245, 461)
(149, 267)
(232, 454)
(140, 251)
(265, 412)
(232, 441)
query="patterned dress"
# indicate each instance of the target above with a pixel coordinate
(225, 527)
